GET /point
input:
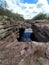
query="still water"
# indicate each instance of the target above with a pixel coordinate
(26, 35)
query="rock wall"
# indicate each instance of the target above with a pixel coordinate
(41, 30)
(10, 28)
(11, 25)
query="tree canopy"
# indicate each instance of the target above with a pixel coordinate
(41, 16)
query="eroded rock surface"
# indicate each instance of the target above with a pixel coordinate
(41, 30)
(23, 53)
(13, 52)
(11, 25)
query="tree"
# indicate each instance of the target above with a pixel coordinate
(40, 16)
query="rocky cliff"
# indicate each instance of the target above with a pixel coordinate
(41, 30)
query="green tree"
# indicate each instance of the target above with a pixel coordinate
(41, 16)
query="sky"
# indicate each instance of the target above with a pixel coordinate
(27, 8)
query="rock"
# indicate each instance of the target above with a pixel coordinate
(21, 62)
(41, 30)
(23, 52)
(47, 53)
(13, 52)
(42, 61)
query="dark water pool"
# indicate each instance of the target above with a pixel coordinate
(26, 35)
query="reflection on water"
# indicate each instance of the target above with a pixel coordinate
(26, 35)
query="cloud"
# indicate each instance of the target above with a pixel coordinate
(28, 10)
(43, 5)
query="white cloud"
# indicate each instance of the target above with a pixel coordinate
(43, 5)
(28, 10)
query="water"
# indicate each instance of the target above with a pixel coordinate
(26, 35)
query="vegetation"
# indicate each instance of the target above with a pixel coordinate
(5, 12)
(41, 16)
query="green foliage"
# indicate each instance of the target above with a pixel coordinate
(41, 16)
(5, 12)
(19, 17)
